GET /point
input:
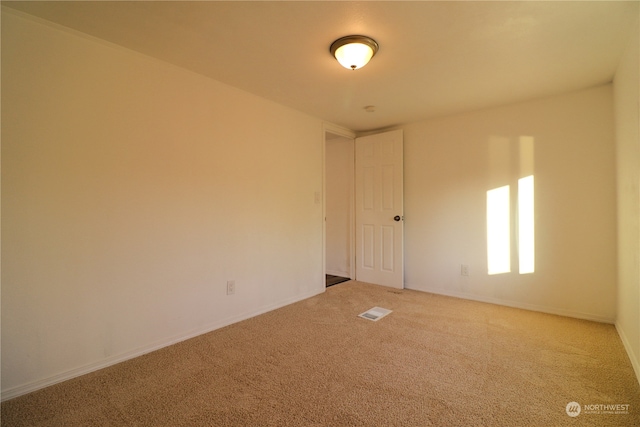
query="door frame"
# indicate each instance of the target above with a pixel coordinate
(346, 133)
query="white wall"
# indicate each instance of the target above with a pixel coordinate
(132, 191)
(338, 204)
(451, 163)
(627, 125)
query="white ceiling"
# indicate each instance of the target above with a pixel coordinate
(435, 58)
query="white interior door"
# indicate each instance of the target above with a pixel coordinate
(379, 209)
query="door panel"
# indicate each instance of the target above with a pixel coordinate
(368, 233)
(379, 198)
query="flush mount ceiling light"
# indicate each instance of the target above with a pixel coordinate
(354, 52)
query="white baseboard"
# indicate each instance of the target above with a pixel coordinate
(627, 346)
(104, 363)
(524, 306)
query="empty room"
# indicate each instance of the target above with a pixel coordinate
(320, 213)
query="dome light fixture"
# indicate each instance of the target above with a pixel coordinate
(353, 52)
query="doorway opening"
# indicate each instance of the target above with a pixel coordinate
(339, 173)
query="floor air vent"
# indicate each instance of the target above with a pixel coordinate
(375, 313)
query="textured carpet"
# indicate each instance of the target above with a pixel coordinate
(434, 361)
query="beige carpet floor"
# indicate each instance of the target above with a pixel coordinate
(434, 361)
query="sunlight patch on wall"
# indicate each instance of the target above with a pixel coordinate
(503, 153)
(498, 231)
(526, 230)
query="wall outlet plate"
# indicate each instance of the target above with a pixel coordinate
(464, 270)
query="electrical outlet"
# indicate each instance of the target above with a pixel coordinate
(464, 270)
(231, 287)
